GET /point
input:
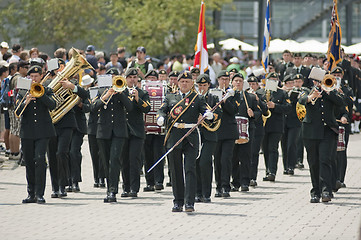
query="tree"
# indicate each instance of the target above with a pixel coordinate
(38, 22)
(161, 26)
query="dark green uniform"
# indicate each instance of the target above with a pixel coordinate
(319, 130)
(131, 164)
(274, 129)
(184, 190)
(242, 154)
(227, 134)
(112, 133)
(204, 161)
(35, 132)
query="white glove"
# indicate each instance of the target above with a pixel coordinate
(230, 92)
(208, 115)
(160, 121)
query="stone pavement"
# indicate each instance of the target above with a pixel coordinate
(279, 210)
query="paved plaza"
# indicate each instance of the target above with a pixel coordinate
(279, 210)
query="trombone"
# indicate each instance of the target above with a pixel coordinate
(36, 90)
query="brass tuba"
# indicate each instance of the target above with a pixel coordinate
(65, 98)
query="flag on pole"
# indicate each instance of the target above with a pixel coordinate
(201, 52)
(334, 39)
(266, 38)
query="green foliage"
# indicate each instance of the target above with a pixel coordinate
(162, 26)
(57, 22)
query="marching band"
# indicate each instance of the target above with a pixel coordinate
(136, 120)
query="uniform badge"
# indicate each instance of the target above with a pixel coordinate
(186, 101)
(105, 106)
(287, 100)
(176, 111)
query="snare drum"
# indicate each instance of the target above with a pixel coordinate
(242, 127)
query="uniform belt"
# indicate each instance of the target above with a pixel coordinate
(184, 125)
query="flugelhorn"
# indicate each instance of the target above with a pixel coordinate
(118, 85)
(328, 84)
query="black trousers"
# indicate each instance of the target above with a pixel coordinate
(289, 146)
(76, 156)
(241, 162)
(223, 163)
(205, 168)
(319, 157)
(270, 151)
(154, 150)
(342, 160)
(34, 155)
(131, 164)
(58, 155)
(256, 146)
(184, 190)
(300, 148)
(98, 170)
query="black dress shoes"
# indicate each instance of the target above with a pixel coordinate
(102, 182)
(62, 192)
(291, 172)
(133, 194)
(270, 177)
(169, 184)
(177, 208)
(149, 188)
(69, 189)
(206, 200)
(112, 197)
(55, 194)
(189, 208)
(244, 188)
(218, 193)
(234, 189)
(285, 172)
(96, 185)
(198, 199)
(300, 165)
(326, 197)
(124, 194)
(315, 199)
(40, 200)
(253, 183)
(159, 187)
(76, 187)
(225, 194)
(29, 199)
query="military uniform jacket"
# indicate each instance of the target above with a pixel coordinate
(190, 116)
(36, 122)
(93, 120)
(275, 123)
(112, 117)
(135, 120)
(321, 114)
(305, 71)
(282, 67)
(291, 119)
(259, 121)
(228, 129)
(80, 114)
(211, 100)
(242, 107)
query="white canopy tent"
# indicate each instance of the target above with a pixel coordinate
(353, 49)
(233, 43)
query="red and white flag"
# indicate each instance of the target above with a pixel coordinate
(201, 55)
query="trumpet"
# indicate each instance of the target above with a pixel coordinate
(328, 84)
(36, 90)
(119, 84)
